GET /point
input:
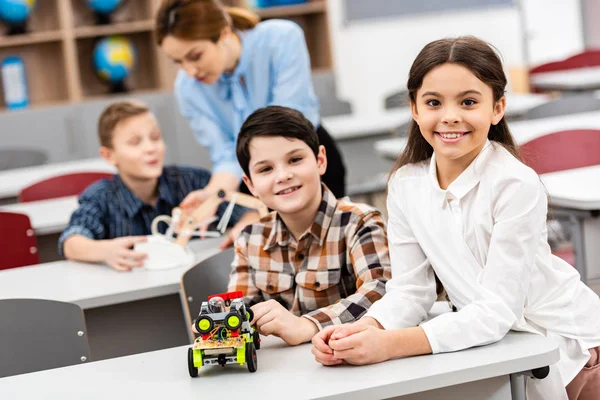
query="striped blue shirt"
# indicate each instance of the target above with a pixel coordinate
(108, 208)
(273, 69)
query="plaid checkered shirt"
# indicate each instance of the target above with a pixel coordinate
(331, 275)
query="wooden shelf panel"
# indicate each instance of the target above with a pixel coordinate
(128, 11)
(312, 7)
(143, 77)
(43, 18)
(43, 77)
(30, 38)
(114, 29)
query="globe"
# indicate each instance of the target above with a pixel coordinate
(104, 6)
(16, 11)
(114, 59)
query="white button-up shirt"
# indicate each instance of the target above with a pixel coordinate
(485, 237)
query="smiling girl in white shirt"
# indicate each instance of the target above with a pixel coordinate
(464, 209)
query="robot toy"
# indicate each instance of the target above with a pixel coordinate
(226, 336)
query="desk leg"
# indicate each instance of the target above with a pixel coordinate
(517, 387)
(591, 246)
(497, 388)
(136, 327)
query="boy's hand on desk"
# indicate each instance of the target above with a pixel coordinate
(119, 253)
(271, 318)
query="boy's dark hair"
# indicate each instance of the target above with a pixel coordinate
(274, 121)
(114, 114)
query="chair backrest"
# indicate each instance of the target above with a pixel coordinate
(206, 278)
(61, 186)
(397, 100)
(588, 58)
(21, 158)
(570, 104)
(324, 85)
(18, 245)
(560, 151)
(40, 334)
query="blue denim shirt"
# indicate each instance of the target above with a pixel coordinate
(108, 208)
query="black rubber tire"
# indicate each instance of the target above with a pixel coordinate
(251, 359)
(256, 339)
(250, 314)
(193, 370)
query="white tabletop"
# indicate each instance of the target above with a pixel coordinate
(351, 126)
(576, 188)
(46, 216)
(13, 180)
(97, 285)
(573, 79)
(283, 372)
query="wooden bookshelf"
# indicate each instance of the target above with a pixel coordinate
(58, 45)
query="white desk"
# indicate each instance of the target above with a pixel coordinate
(12, 181)
(576, 188)
(478, 373)
(342, 127)
(517, 104)
(573, 79)
(97, 285)
(126, 312)
(352, 126)
(46, 216)
(577, 192)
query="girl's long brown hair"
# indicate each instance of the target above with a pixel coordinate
(473, 54)
(200, 19)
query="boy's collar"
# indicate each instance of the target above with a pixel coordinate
(132, 204)
(281, 236)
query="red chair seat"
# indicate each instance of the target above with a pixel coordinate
(18, 245)
(61, 186)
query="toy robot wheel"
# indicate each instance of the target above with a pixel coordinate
(251, 359)
(204, 324)
(256, 340)
(233, 320)
(249, 314)
(191, 368)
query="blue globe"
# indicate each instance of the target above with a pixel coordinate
(114, 58)
(104, 6)
(16, 11)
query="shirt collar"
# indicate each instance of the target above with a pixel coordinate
(465, 182)
(227, 80)
(133, 204)
(281, 236)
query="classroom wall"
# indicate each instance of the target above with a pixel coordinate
(372, 57)
(591, 28)
(555, 29)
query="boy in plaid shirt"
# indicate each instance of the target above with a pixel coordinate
(316, 260)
